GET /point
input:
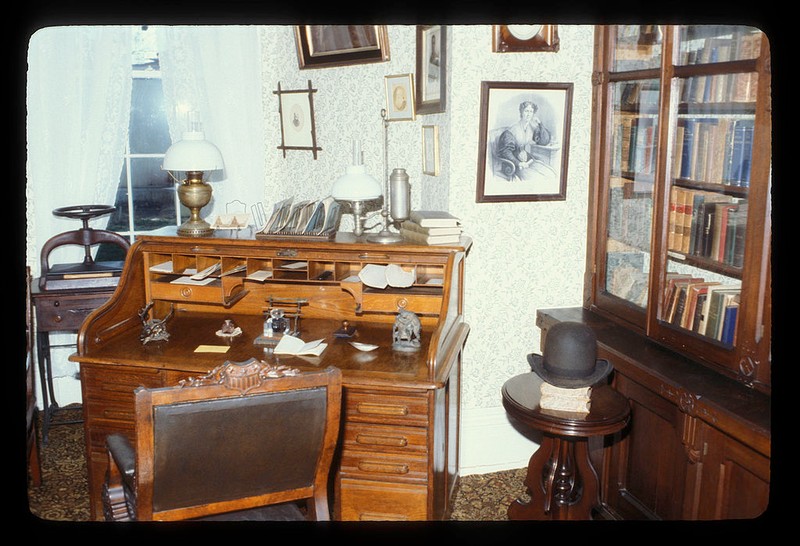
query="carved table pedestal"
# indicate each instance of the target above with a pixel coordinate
(561, 480)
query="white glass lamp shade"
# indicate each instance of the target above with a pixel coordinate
(193, 153)
(356, 185)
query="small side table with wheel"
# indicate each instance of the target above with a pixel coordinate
(561, 480)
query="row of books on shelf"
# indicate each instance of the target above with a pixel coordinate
(720, 88)
(734, 87)
(431, 227)
(707, 224)
(710, 308)
(715, 150)
(731, 45)
(634, 145)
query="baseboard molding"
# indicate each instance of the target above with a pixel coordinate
(491, 443)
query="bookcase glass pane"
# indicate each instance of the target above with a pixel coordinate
(631, 182)
(636, 47)
(702, 44)
(711, 142)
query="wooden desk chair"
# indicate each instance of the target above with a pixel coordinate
(244, 442)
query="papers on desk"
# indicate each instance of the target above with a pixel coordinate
(381, 276)
(290, 345)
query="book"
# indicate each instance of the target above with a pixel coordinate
(447, 230)
(418, 237)
(433, 218)
(290, 345)
(579, 392)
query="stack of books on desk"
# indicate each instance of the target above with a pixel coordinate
(431, 227)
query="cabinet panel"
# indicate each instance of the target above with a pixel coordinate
(648, 467)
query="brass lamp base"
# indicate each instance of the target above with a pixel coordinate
(194, 194)
(195, 229)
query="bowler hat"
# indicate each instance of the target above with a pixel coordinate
(570, 357)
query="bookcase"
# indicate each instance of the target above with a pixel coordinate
(678, 286)
(680, 240)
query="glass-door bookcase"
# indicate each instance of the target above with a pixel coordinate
(680, 212)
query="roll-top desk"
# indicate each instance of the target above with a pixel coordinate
(398, 450)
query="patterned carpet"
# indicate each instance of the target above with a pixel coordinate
(63, 495)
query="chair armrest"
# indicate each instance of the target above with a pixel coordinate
(121, 452)
(119, 503)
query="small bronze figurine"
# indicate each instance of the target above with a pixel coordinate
(406, 331)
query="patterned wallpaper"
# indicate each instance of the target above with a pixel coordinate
(525, 256)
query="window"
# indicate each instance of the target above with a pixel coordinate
(146, 197)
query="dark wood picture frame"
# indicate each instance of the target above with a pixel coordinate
(298, 130)
(524, 38)
(507, 174)
(322, 46)
(431, 68)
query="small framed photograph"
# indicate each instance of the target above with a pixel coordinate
(430, 150)
(400, 97)
(321, 46)
(524, 38)
(296, 109)
(524, 141)
(431, 68)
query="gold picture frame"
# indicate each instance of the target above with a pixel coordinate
(322, 46)
(400, 97)
(524, 38)
(430, 150)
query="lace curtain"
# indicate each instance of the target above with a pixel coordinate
(216, 72)
(78, 107)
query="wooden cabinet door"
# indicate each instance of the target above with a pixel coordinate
(648, 467)
(735, 479)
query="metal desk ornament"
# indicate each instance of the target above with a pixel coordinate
(406, 331)
(277, 320)
(154, 329)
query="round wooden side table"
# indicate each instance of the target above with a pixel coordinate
(561, 480)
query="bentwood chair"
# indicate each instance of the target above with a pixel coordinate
(248, 441)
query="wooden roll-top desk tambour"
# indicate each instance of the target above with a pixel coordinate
(398, 451)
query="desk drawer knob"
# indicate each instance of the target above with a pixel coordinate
(186, 292)
(382, 409)
(385, 468)
(378, 440)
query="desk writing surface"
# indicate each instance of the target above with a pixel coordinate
(189, 331)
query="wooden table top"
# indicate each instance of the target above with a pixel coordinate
(609, 410)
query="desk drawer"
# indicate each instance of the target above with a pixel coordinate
(367, 406)
(385, 439)
(384, 467)
(65, 313)
(362, 500)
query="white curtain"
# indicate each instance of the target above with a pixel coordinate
(216, 72)
(78, 109)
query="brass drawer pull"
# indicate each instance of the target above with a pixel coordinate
(373, 439)
(386, 468)
(382, 409)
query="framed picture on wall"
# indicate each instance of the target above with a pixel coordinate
(320, 46)
(296, 109)
(430, 150)
(524, 38)
(524, 141)
(431, 68)
(400, 97)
